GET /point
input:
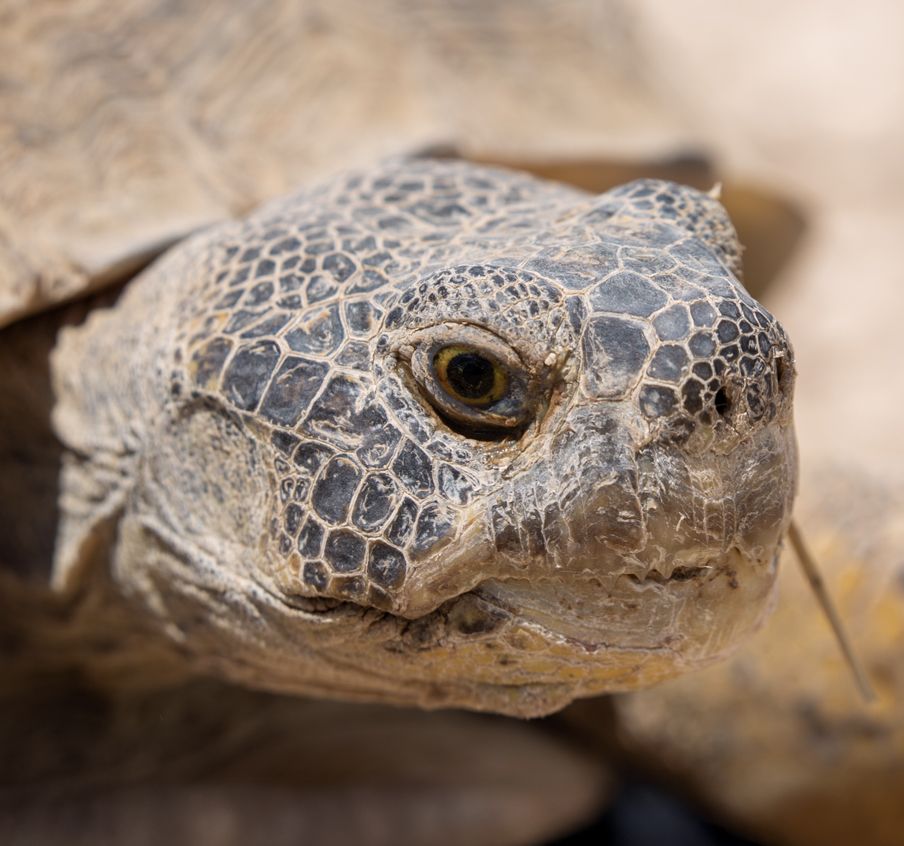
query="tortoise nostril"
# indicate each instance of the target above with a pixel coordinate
(722, 402)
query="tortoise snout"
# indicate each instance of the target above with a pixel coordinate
(733, 370)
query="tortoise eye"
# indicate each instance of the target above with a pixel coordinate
(474, 381)
(469, 376)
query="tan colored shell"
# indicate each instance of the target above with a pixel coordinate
(125, 127)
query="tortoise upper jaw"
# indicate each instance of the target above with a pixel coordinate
(696, 612)
(447, 571)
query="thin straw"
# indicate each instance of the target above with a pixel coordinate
(812, 575)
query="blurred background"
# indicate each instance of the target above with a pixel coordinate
(123, 127)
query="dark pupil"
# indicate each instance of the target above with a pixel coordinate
(470, 374)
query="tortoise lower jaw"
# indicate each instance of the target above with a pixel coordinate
(514, 647)
(521, 647)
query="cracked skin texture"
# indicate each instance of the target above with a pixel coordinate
(262, 464)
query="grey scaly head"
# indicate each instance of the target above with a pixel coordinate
(440, 434)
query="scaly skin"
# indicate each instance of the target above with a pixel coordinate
(261, 460)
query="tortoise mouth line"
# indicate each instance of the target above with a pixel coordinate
(327, 605)
(482, 592)
(682, 573)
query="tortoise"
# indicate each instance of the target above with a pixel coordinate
(229, 174)
(428, 433)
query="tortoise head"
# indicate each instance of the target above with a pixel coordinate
(501, 445)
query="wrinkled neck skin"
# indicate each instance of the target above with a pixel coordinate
(263, 461)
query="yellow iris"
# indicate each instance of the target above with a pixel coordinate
(469, 376)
